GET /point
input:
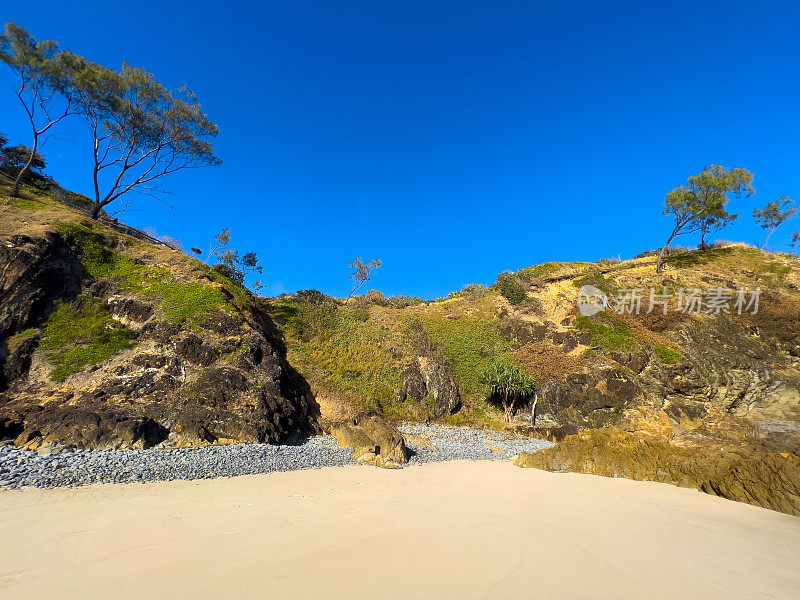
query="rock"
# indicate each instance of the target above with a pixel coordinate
(420, 441)
(430, 382)
(749, 473)
(221, 377)
(373, 440)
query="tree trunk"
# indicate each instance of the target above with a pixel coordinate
(506, 408)
(21, 174)
(703, 234)
(766, 241)
(95, 211)
(533, 409)
(660, 263)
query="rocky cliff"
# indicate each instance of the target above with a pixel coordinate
(111, 341)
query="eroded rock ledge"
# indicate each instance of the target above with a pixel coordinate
(743, 472)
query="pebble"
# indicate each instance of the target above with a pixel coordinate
(20, 468)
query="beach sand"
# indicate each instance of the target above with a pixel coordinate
(440, 531)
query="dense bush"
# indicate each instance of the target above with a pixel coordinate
(474, 292)
(376, 297)
(511, 288)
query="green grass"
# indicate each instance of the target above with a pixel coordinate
(180, 301)
(668, 355)
(344, 350)
(607, 333)
(469, 345)
(27, 203)
(78, 336)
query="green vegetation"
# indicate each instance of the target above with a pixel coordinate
(700, 205)
(342, 349)
(509, 382)
(469, 345)
(607, 335)
(181, 301)
(512, 288)
(773, 215)
(597, 280)
(668, 355)
(27, 203)
(80, 335)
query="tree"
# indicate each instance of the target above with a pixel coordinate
(231, 264)
(140, 131)
(795, 239)
(773, 215)
(19, 161)
(510, 383)
(42, 91)
(701, 204)
(362, 273)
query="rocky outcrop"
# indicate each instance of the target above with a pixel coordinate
(373, 440)
(220, 376)
(430, 384)
(755, 474)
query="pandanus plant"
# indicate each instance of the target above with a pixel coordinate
(509, 383)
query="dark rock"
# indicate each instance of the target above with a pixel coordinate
(226, 379)
(193, 349)
(430, 381)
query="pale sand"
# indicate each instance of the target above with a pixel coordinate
(447, 530)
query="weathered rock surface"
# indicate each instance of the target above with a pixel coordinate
(223, 378)
(746, 472)
(430, 382)
(373, 441)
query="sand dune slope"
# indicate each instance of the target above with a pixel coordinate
(448, 530)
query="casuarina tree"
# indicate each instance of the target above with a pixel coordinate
(42, 88)
(362, 273)
(140, 130)
(700, 205)
(773, 215)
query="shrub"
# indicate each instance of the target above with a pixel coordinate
(474, 292)
(377, 298)
(511, 288)
(403, 301)
(311, 296)
(611, 336)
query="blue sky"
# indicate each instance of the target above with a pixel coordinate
(451, 140)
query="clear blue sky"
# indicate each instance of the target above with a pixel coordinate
(452, 140)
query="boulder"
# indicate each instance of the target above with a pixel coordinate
(373, 440)
(430, 383)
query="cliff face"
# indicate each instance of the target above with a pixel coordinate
(110, 341)
(686, 375)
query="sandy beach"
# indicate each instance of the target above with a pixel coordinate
(447, 530)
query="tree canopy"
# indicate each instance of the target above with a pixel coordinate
(773, 215)
(700, 205)
(140, 130)
(42, 90)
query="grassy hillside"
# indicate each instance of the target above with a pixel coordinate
(354, 353)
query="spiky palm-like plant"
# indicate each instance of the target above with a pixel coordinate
(510, 383)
